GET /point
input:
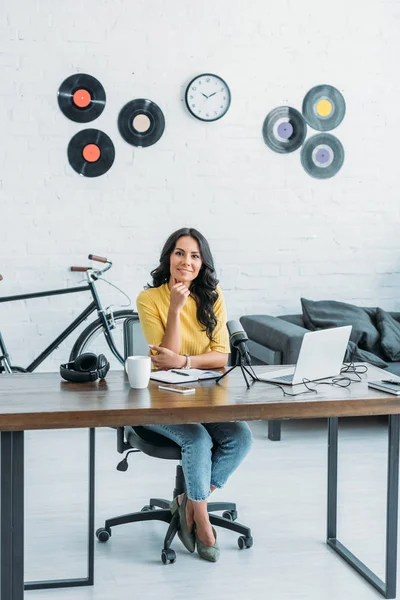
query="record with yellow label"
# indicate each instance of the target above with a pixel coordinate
(324, 107)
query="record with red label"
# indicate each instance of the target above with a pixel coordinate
(322, 155)
(284, 129)
(141, 122)
(91, 153)
(81, 98)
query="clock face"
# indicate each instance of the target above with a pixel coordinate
(208, 97)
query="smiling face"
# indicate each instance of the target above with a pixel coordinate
(185, 261)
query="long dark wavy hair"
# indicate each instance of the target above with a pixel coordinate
(203, 288)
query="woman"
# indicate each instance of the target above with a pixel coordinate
(183, 318)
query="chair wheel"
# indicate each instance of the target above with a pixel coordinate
(245, 542)
(230, 514)
(103, 534)
(147, 508)
(168, 556)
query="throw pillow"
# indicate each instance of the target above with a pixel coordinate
(390, 334)
(355, 354)
(330, 313)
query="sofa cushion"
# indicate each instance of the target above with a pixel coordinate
(356, 354)
(390, 334)
(394, 367)
(330, 313)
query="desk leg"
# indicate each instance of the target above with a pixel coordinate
(274, 430)
(388, 588)
(12, 515)
(62, 583)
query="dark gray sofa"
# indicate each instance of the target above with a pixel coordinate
(277, 341)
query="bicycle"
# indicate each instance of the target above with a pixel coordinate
(108, 323)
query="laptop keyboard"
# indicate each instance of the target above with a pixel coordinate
(284, 378)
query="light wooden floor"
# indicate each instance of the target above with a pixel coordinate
(280, 491)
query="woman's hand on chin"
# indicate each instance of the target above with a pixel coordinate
(166, 359)
(179, 295)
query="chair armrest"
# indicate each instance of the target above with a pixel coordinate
(276, 334)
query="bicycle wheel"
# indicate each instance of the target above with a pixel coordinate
(92, 339)
(14, 369)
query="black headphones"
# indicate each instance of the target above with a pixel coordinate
(86, 367)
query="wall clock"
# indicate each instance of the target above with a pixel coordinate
(208, 97)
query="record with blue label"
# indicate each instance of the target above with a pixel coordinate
(324, 107)
(284, 129)
(322, 155)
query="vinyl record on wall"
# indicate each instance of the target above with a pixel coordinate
(81, 98)
(324, 107)
(284, 129)
(91, 153)
(322, 155)
(141, 123)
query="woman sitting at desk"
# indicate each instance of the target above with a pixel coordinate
(183, 318)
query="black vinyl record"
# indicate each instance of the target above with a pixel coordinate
(141, 123)
(324, 107)
(91, 152)
(284, 129)
(322, 155)
(81, 98)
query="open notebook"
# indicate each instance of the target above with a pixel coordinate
(183, 375)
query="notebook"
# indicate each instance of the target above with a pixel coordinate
(183, 375)
(387, 385)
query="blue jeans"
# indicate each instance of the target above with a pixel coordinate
(210, 452)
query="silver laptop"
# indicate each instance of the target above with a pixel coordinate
(321, 356)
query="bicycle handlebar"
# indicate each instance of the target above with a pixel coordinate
(93, 273)
(98, 258)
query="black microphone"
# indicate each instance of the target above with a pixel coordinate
(238, 338)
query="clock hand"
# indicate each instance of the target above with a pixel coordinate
(212, 95)
(205, 95)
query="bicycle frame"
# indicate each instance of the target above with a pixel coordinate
(94, 305)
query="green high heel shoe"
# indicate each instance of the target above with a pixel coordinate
(186, 536)
(210, 553)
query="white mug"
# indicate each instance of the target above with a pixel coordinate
(138, 369)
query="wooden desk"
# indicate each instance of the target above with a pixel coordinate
(43, 401)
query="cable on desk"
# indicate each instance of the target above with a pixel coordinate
(342, 382)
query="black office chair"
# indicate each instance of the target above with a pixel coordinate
(135, 439)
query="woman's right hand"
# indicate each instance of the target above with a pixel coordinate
(179, 295)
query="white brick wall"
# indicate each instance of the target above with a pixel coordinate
(275, 232)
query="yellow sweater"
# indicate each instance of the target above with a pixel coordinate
(153, 305)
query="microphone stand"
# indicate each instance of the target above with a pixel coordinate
(243, 367)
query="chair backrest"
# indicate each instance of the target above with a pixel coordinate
(134, 341)
(147, 441)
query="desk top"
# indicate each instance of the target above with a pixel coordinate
(44, 401)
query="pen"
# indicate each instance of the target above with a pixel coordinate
(179, 373)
